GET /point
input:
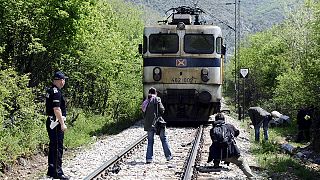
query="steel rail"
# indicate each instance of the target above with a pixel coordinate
(115, 159)
(188, 173)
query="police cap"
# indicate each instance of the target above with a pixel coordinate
(59, 75)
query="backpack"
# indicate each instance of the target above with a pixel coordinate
(222, 135)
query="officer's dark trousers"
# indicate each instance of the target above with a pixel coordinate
(55, 150)
(303, 133)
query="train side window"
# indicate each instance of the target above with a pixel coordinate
(163, 43)
(219, 45)
(145, 41)
(199, 43)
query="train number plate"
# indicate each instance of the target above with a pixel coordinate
(183, 80)
(181, 76)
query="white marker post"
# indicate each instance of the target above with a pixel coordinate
(244, 74)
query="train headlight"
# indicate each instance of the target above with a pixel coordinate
(181, 26)
(205, 75)
(157, 74)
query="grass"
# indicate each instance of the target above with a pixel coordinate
(86, 127)
(278, 165)
(83, 129)
(270, 156)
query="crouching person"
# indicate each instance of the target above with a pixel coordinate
(223, 147)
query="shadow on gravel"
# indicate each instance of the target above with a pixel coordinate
(205, 169)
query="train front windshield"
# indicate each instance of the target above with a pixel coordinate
(193, 43)
(164, 43)
(198, 43)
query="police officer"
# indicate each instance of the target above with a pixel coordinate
(304, 122)
(56, 111)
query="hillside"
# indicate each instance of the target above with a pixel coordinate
(255, 15)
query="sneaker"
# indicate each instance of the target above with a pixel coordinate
(169, 158)
(149, 161)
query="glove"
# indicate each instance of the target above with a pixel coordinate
(53, 124)
(306, 117)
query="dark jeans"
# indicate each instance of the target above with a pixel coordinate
(265, 125)
(164, 141)
(56, 136)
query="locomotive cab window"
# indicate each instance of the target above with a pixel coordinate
(145, 41)
(219, 45)
(199, 43)
(163, 43)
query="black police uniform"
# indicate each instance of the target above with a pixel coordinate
(54, 98)
(304, 124)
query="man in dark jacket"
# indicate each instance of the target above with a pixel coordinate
(152, 108)
(259, 117)
(229, 153)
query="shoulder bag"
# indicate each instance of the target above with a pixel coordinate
(158, 123)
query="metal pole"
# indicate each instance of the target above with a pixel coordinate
(244, 105)
(238, 51)
(235, 55)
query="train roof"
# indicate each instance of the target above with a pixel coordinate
(183, 18)
(166, 28)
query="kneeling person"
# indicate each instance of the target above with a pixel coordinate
(223, 147)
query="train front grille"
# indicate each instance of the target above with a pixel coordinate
(181, 96)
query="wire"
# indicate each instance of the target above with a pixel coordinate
(219, 20)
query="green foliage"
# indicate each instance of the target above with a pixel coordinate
(21, 129)
(266, 57)
(93, 42)
(16, 99)
(266, 147)
(109, 65)
(286, 166)
(86, 127)
(288, 92)
(270, 157)
(311, 67)
(282, 62)
(80, 131)
(36, 34)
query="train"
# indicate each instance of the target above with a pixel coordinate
(183, 59)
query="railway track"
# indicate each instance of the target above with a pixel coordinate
(112, 166)
(190, 150)
(194, 156)
(130, 163)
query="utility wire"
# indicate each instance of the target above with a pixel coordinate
(217, 19)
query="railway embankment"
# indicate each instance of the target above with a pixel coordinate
(79, 163)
